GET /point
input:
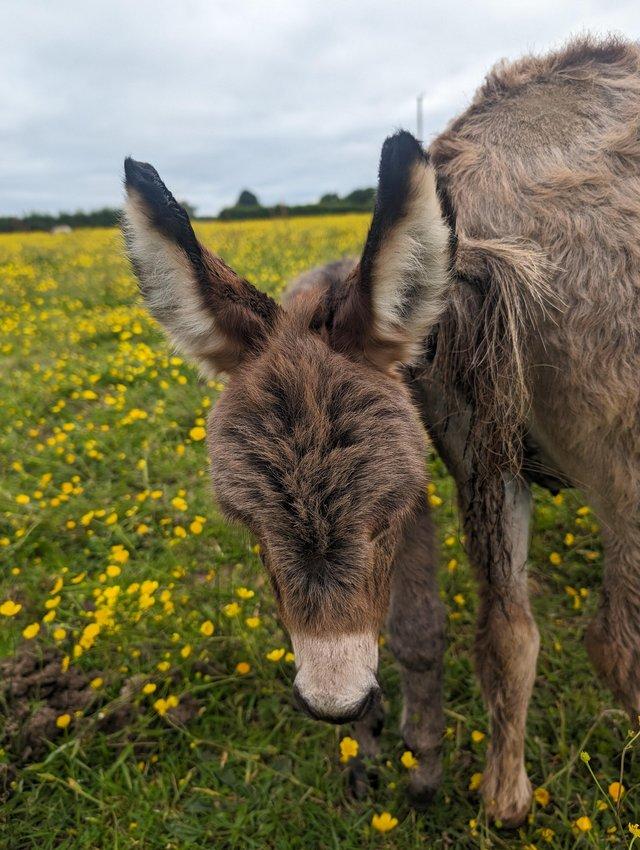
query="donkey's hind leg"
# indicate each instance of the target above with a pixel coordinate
(417, 639)
(613, 638)
(507, 640)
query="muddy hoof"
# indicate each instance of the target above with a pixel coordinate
(511, 820)
(508, 806)
(361, 780)
(420, 798)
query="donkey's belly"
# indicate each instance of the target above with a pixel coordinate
(539, 468)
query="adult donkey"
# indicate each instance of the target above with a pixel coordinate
(498, 294)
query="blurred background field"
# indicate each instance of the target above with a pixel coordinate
(144, 680)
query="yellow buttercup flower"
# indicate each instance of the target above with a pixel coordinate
(10, 608)
(542, 796)
(408, 760)
(348, 749)
(29, 632)
(475, 782)
(242, 668)
(63, 721)
(207, 628)
(616, 791)
(161, 706)
(275, 655)
(583, 824)
(384, 822)
(197, 433)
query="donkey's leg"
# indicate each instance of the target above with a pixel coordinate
(367, 733)
(416, 630)
(507, 640)
(613, 638)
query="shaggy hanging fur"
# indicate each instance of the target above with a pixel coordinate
(524, 168)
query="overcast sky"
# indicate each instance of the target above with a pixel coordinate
(290, 98)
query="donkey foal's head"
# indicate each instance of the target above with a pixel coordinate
(314, 444)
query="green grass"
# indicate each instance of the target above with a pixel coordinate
(247, 771)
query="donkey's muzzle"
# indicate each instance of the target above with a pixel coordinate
(370, 702)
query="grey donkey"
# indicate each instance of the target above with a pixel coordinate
(531, 373)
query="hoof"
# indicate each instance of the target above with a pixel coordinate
(420, 798)
(509, 804)
(423, 786)
(361, 780)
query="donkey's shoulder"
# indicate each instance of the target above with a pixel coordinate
(584, 59)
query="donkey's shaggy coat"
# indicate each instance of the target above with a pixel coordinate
(503, 273)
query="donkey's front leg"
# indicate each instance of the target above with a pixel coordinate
(507, 640)
(416, 630)
(367, 733)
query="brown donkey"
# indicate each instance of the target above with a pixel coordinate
(498, 298)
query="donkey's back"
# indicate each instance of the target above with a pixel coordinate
(541, 177)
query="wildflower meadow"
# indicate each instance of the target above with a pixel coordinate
(145, 683)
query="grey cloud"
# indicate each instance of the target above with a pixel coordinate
(291, 98)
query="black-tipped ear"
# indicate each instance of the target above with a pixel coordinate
(398, 291)
(162, 209)
(400, 153)
(210, 313)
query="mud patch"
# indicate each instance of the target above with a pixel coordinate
(35, 691)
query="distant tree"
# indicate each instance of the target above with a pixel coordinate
(190, 208)
(247, 199)
(330, 198)
(361, 197)
(106, 217)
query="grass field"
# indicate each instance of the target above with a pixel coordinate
(145, 692)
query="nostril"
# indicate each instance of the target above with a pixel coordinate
(370, 701)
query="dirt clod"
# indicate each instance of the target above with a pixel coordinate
(34, 692)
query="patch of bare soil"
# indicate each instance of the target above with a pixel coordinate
(35, 691)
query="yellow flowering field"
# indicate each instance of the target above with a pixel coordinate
(144, 680)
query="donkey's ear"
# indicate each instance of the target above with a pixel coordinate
(211, 314)
(397, 292)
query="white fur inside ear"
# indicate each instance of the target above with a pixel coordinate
(410, 275)
(169, 287)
